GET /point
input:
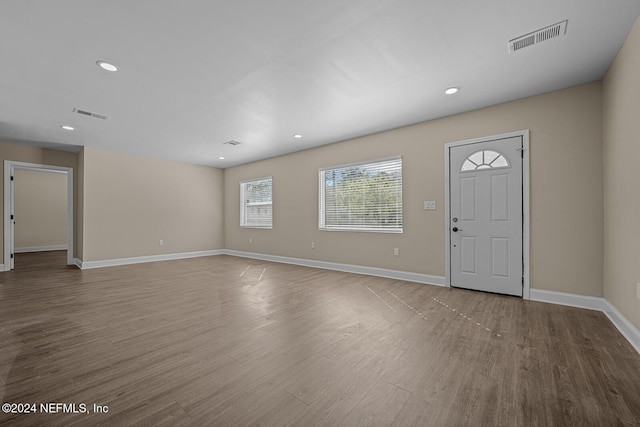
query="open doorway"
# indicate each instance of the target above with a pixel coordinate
(38, 215)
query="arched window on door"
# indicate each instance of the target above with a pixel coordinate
(484, 159)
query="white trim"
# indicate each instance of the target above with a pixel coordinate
(447, 218)
(571, 300)
(84, 265)
(7, 236)
(38, 168)
(347, 268)
(364, 162)
(363, 230)
(39, 248)
(626, 328)
(249, 181)
(622, 324)
(78, 263)
(9, 166)
(524, 134)
(526, 220)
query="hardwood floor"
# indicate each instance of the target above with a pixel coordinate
(230, 341)
(42, 262)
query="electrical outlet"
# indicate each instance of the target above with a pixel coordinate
(250, 239)
(313, 245)
(396, 251)
(161, 242)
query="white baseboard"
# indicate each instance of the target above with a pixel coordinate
(626, 328)
(84, 265)
(357, 269)
(571, 300)
(78, 263)
(40, 248)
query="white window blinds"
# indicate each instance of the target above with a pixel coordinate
(362, 197)
(256, 203)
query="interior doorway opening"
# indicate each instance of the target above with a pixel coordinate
(32, 242)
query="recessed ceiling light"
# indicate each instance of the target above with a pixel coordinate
(297, 135)
(451, 90)
(220, 158)
(66, 127)
(106, 66)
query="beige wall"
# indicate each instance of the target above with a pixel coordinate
(621, 92)
(40, 208)
(27, 154)
(566, 192)
(130, 203)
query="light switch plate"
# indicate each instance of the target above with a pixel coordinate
(429, 205)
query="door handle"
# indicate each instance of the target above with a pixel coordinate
(456, 229)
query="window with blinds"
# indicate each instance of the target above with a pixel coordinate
(256, 203)
(362, 197)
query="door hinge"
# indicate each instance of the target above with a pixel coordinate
(11, 216)
(11, 256)
(12, 178)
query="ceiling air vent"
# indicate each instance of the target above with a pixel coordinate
(90, 114)
(232, 142)
(539, 36)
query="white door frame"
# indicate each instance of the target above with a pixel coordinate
(9, 167)
(525, 203)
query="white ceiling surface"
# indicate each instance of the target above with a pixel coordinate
(194, 74)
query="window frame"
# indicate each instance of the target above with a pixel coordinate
(244, 204)
(322, 226)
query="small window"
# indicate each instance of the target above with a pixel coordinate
(362, 197)
(256, 203)
(484, 159)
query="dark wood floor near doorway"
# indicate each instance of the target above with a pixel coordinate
(42, 262)
(231, 341)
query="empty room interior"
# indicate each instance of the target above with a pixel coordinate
(294, 213)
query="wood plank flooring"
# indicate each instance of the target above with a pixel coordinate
(225, 341)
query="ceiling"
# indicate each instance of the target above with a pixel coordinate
(195, 74)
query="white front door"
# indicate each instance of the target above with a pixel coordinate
(486, 223)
